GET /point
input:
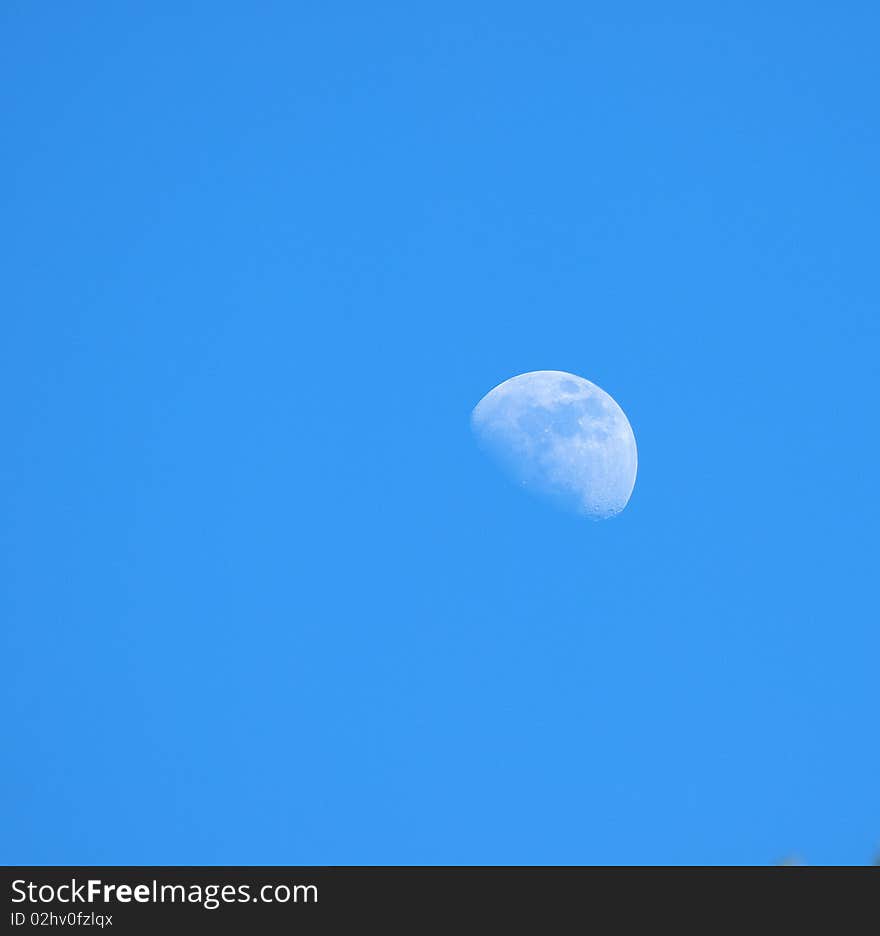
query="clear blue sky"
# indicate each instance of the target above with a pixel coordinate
(262, 598)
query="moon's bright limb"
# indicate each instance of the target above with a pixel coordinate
(562, 436)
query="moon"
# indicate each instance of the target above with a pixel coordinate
(562, 437)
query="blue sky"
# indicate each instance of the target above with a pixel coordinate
(262, 598)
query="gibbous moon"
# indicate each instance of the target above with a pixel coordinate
(561, 436)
